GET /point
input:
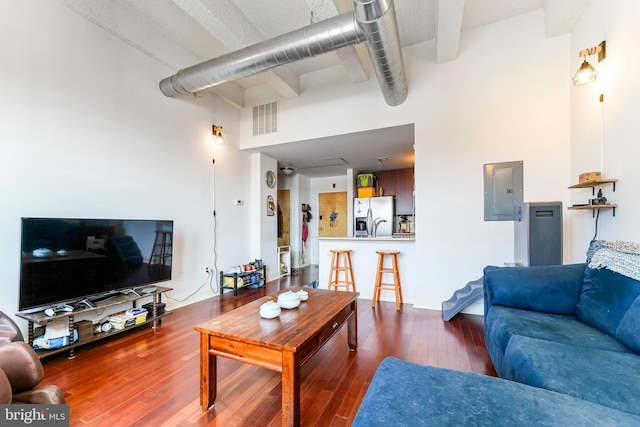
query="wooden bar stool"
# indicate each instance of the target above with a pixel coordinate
(345, 268)
(380, 285)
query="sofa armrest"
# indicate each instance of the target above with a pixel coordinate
(550, 289)
(42, 395)
(5, 389)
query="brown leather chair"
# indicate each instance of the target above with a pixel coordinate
(22, 367)
(9, 331)
(6, 394)
(21, 370)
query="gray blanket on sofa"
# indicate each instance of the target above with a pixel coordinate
(618, 256)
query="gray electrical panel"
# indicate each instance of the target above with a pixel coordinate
(538, 234)
(503, 190)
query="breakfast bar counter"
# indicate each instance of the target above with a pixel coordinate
(365, 261)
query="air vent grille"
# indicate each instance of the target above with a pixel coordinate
(265, 118)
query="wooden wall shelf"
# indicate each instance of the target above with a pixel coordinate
(592, 184)
(594, 207)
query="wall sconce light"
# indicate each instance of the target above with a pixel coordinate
(586, 73)
(218, 139)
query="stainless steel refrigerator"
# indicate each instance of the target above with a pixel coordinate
(382, 214)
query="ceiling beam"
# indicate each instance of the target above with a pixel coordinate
(142, 28)
(231, 93)
(560, 16)
(143, 34)
(225, 22)
(355, 59)
(448, 27)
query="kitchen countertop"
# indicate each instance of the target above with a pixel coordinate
(408, 238)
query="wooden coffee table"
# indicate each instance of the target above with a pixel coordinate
(282, 344)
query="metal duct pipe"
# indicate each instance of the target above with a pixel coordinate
(377, 18)
(322, 37)
(373, 22)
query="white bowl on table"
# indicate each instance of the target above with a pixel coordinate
(288, 300)
(304, 295)
(270, 310)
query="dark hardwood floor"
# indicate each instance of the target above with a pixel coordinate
(150, 377)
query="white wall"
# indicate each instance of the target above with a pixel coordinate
(85, 132)
(264, 227)
(604, 136)
(505, 98)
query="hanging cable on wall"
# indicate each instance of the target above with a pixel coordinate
(595, 234)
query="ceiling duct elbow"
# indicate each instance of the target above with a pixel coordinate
(372, 22)
(377, 18)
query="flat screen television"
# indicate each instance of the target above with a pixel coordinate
(66, 260)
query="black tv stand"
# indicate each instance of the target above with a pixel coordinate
(111, 300)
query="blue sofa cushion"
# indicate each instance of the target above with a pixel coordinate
(502, 323)
(551, 289)
(407, 394)
(628, 331)
(605, 298)
(599, 376)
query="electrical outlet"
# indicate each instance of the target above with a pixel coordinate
(206, 270)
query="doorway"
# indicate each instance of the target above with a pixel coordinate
(284, 217)
(332, 214)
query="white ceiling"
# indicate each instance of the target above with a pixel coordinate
(331, 156)
(181, 33)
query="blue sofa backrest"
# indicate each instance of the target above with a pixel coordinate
(605, 298)
(549, 289)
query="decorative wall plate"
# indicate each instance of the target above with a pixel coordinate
(271, 206)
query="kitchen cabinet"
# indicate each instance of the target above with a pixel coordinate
(404, 191)
(387, 181)
(398, 183)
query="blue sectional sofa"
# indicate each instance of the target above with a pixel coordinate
(573, 329)
(406, 394)
(565, 341)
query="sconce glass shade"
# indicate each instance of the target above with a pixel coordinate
(218, 139)
(586, 74)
